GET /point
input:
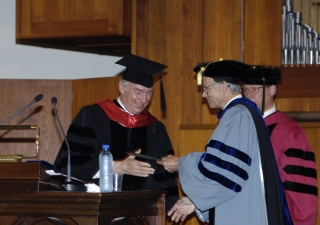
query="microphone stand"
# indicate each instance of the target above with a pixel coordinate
(36, 99)
(70, 185)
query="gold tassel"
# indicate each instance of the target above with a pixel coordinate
(202, 69)
(199, 75)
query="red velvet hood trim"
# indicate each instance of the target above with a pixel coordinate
(116, 114)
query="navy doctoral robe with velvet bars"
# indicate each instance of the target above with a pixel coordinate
(228, 176)
(92, 127)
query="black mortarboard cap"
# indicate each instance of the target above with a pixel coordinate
(262, 75)
(230, 71)
(140, 70)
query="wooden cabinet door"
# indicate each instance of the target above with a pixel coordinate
(95, 26)
(65, 18)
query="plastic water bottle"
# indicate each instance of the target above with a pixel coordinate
(106, 173)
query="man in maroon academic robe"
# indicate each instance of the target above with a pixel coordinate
(293, 153)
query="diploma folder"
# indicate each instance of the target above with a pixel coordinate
(143, 156)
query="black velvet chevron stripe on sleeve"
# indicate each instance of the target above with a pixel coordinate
(298, 153)
(302, 188)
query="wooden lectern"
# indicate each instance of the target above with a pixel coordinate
(29, 196)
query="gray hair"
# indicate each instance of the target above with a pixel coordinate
(125, 83)
(234, 87)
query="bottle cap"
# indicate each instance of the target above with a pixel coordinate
(105, 147)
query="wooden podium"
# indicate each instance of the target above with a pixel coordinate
(28, 196)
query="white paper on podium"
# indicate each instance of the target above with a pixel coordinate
(92, 187)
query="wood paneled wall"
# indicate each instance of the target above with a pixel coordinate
(88, 91)
(15, 95)
(262, 32)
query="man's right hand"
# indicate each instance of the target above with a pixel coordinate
(133, 167)
(169, 163)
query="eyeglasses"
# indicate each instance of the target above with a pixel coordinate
(206, 88)
(252, 90)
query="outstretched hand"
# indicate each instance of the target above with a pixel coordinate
(181, 209)
(169, 163)
(133, 167)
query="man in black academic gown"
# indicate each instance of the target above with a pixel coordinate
(126, 126)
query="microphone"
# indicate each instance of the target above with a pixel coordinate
(36, 99)
(70, 185)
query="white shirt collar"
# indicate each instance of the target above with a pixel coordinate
(237, 96)
(270, 111)
(123, 108)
